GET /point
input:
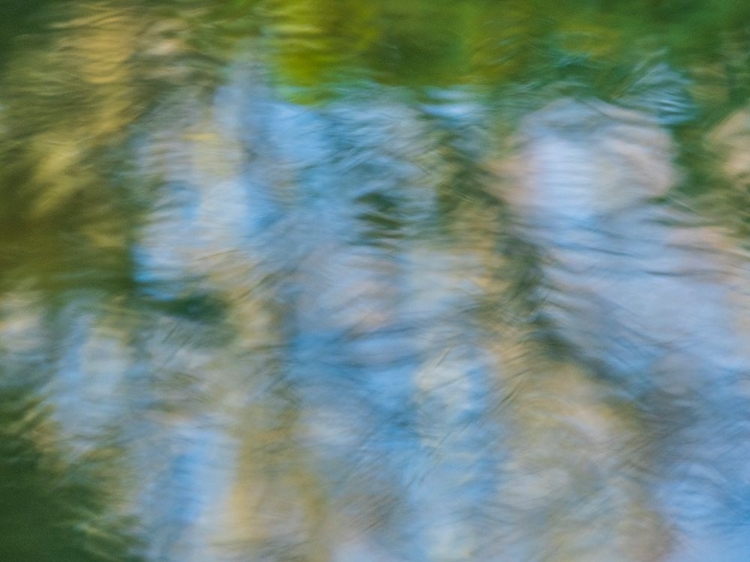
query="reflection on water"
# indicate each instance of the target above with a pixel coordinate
(305, 281)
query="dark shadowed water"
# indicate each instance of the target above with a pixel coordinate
(353, 281)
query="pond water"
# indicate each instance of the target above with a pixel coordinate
(340, 280)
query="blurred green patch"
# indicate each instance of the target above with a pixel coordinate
(46, 515)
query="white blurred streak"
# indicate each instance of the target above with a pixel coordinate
(648, 301)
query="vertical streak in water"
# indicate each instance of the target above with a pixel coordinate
(647, 302)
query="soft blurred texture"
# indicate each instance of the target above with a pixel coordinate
(390, 281)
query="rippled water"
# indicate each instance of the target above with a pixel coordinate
(394, 281)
